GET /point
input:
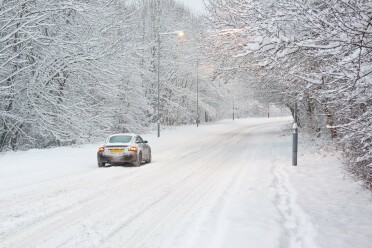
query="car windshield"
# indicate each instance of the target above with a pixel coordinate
(120, 139)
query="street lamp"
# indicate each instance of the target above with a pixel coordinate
(179, 34)
(197, 93)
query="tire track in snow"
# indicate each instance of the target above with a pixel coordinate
(101, 197)
(91, 198)
(219, 236)
(171, 211)
(52, 222)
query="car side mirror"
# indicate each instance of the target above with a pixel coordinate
(145, 142)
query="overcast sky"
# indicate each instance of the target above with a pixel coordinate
(196, 5)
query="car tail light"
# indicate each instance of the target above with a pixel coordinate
(132, 149)
(101, 149)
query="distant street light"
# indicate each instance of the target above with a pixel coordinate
(179, 34)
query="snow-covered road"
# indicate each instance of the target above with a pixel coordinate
(226, 184)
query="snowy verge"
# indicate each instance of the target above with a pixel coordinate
(339, 206)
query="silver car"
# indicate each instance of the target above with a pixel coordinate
(124, 148)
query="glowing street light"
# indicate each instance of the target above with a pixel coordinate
(180, 33)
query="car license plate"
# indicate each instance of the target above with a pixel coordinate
(116, 150)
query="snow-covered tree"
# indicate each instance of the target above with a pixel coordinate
(73, 71)
(313, 52)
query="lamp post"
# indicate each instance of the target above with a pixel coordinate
(197, 93)
(158, 67)
(233, 110)
(180, 34)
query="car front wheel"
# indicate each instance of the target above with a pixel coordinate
(101, 164)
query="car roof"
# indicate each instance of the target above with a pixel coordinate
(126, 134)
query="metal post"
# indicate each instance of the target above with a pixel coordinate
(158, 84)
(233, 110)
(197, 92)
(295, 137)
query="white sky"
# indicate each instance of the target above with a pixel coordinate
(196, 5)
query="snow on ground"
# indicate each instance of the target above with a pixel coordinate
(225, 184)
